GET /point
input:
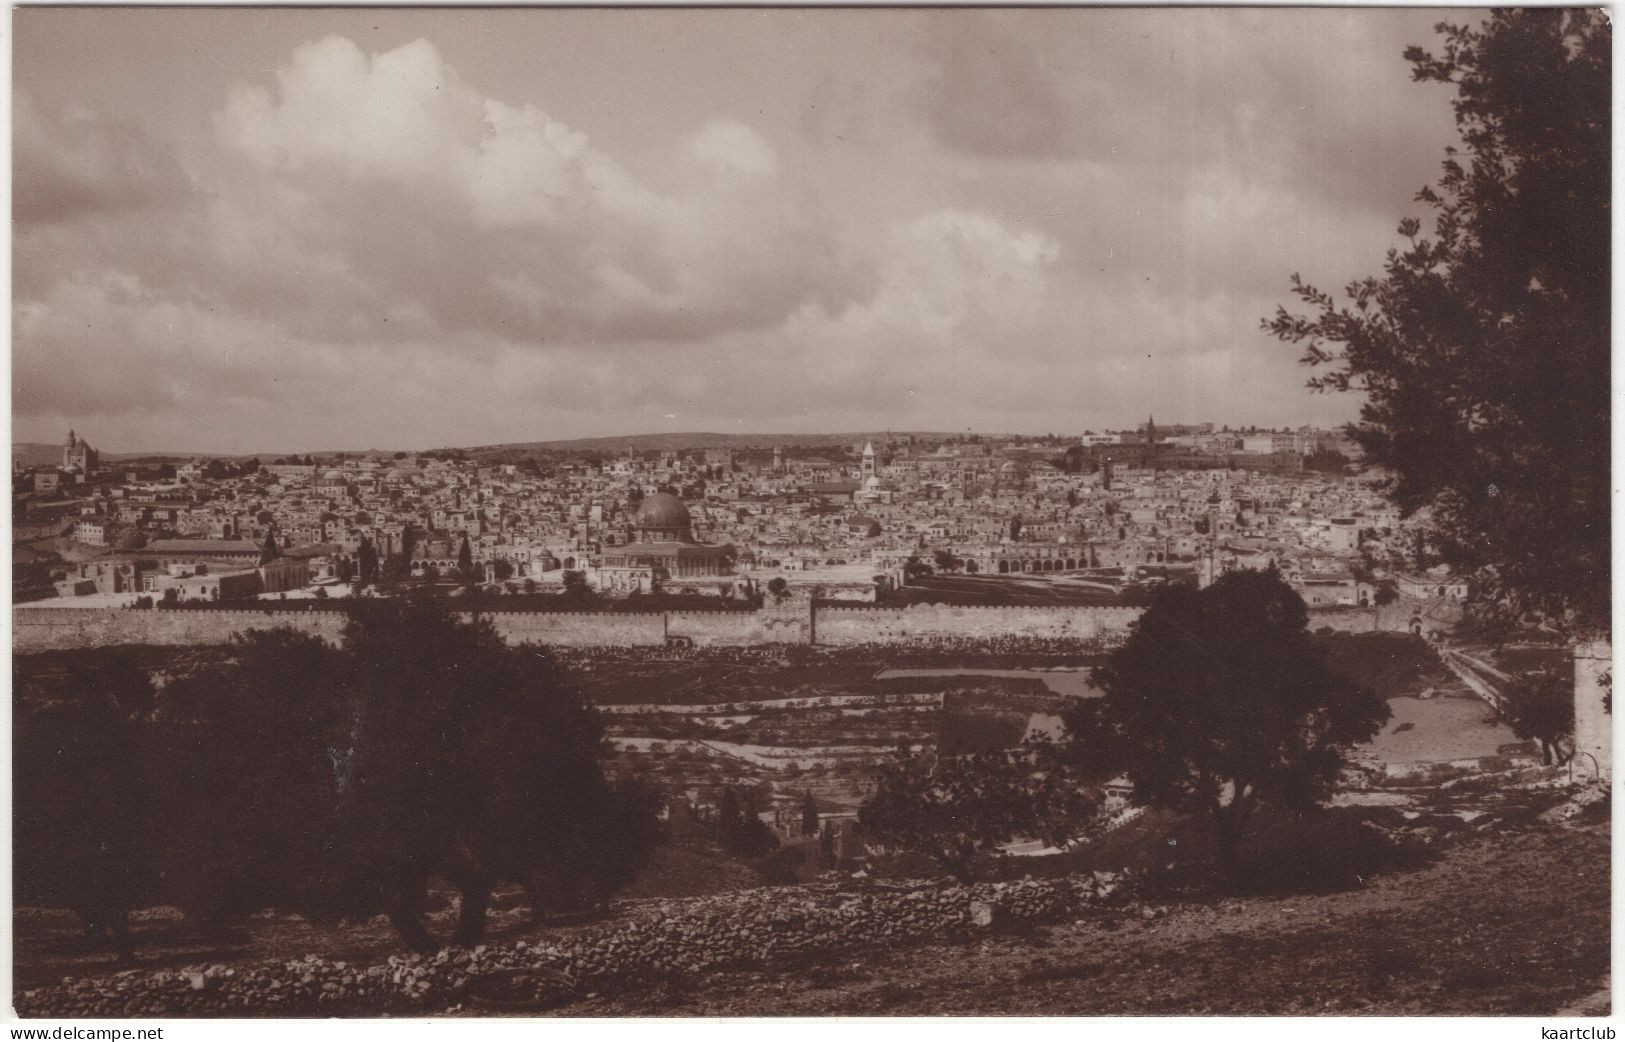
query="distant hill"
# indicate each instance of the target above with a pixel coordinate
(689, 440)
(39, 454)
(36, 454)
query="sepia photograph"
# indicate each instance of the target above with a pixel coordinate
(810, 512)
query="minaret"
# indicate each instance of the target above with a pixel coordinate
(868, 459)
(778, 458)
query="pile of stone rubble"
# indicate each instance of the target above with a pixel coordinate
(647, 942)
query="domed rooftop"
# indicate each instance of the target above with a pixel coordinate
(332, 475)
(663, 512)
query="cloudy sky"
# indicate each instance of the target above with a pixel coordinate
(241, 230)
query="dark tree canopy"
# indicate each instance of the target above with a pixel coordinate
(296, 775)
(740, 829)
(367, 561)
(1483, 349)
(1541, 706)
(85, 773)
(575, 584)
(954, 809)
(1219, 701)
(253, 780)
(809, 815)
(459, 741)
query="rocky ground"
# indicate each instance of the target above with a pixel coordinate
(1510, 919)
(1482, 931)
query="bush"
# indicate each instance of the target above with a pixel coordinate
(1316, 851)
(781, 867)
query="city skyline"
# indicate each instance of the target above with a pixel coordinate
(418, 228)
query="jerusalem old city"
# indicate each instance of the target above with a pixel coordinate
(724, 513)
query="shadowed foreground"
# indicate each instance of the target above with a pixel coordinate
(1481, 929)
(1484, 930)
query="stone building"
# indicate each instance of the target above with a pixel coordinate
(78, 457)
(664, 550)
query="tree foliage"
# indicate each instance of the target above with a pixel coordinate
(740, 829)
(575, 585)
(1219, 701)
(1482, 350)
(1326, 461)
(251, 741)
(1541, 706)
(85, 776)
(809, 815)
(367, 561)
(954, 809)
(458, 743)
(296, 775)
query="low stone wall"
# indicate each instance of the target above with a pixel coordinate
(746, 928)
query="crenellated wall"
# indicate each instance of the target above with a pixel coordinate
(51, 629)
(44, 629)
(48, 629)
(791, 625)
(576, 629)
(1346, 620)
(935, 621)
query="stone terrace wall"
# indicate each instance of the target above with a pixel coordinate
(936, 621)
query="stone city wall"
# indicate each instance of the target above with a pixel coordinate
(741, 628)
(1344, 620)
(580, 629)
(52, 629)
(937, 621)
(45, 629)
